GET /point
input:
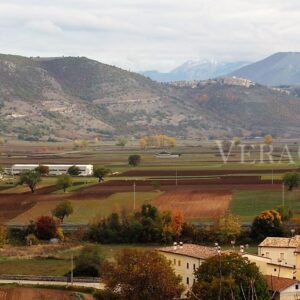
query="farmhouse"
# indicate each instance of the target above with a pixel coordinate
(280, 249)
(85, 170)
(186, 258)
(283, 288)
(279, 257)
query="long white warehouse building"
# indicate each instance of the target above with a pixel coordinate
(85, 170)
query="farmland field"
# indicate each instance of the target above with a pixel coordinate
(25, 293)
(195, 204)
(197, 182)
(248, 204)
(88, 209)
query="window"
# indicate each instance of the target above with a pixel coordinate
(275, 270)
(187, 265)
(194, 266)
(174, 261)
(282, 256)
(297, 287)
(179, 263)
(187, 280)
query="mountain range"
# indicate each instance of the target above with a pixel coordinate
(278, 69)
(196, 70)
(76, 97)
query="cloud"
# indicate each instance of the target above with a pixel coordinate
(140, 35)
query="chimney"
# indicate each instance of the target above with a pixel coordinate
(181, 245)
(175, 246)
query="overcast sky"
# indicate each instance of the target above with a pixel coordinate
(150, 34)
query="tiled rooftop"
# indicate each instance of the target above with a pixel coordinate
(280, 242)
(191, 250)
(278, 284)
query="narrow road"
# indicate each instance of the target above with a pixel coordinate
(94, 285)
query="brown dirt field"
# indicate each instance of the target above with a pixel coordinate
(37, 294)
(195, 204)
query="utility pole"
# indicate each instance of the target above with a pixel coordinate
(283, 195)
(72, 267)
(176, 178)
(134, 195)
(272, 176)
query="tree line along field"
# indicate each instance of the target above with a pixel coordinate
(197, 182)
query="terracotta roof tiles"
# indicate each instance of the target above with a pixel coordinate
(278, 284)
(191, 250)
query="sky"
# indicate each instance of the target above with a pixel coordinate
(142, 35)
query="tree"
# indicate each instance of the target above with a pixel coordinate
(46, 228)
(140, 274)
(134, 160)
(79, 144)
(64, 181)
(229, 227)
(74, 171)
(122, 141)
(285, 213)
(101, 172)
(143, 143)
(171, 142)
(3, 235)
(62, 210)
(229, 276)
(43, 170)
(177, 222)
(89, 262)
(268, 139)
(291, 180)
(30, 178)
(237, 141)
(268, 223)
(147, 225)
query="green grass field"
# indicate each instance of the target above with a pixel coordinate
(36, 266)
(248, 204)
(59, 264)
(88, 209)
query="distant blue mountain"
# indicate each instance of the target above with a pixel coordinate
(196, 70)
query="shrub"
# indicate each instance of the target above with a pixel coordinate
(134, 160)
(46, 228)
(89, 262)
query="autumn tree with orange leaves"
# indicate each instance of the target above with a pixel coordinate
(157, 141)
(142, 274)
(268, 223)
(177, 222)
